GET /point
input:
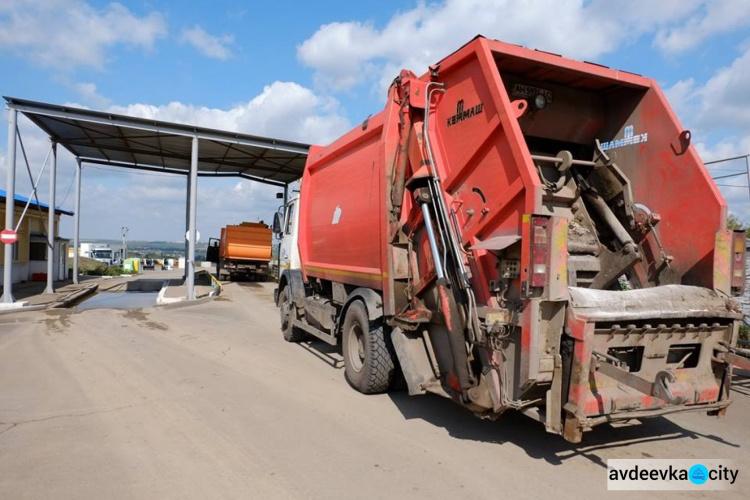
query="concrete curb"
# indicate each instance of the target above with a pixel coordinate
(61, 303)
(74, 297)
(4, 312)
(186, 303)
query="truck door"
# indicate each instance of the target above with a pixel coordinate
(212, 252)
(287, 234)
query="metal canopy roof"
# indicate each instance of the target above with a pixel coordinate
(130, 142)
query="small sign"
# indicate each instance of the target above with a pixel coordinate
(529, 92)
(197, 236)
(8, 236)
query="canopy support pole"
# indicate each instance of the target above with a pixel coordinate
(187, 225)
(10, 206)
(77, 223)
(193, 217)
(51, 222)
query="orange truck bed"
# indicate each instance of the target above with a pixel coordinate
(247, 241)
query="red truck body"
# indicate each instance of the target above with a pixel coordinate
(580, 257)
(488, 150)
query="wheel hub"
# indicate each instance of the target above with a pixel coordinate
(356, 347)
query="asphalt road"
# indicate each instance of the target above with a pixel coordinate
(208, 401)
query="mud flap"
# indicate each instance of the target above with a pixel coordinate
(553, 412)
(414, 361)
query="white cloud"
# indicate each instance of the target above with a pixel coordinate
(215, 47)
(717, 109)
(345, 54)
(718, 113)
(728, 147)
(718, 16)
(284, 110)
(724, 99)
(88, 92)
(66, 34)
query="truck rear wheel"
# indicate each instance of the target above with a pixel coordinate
(368, 356)
(287, 312)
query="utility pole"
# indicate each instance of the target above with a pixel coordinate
(124, 244)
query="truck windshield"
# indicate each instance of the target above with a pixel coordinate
(102, 254)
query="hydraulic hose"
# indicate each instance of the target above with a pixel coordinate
(450, 311)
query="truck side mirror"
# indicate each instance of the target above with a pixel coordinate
(277, 223)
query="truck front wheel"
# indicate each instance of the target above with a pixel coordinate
(369, 360)
(287, 312)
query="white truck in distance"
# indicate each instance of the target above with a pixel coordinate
(97, 251)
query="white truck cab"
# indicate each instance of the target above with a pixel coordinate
(285, 225)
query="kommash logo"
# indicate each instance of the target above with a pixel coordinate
(654, 474)
(629, 137)
(464, 114)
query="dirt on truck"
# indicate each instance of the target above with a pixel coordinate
(518, 230)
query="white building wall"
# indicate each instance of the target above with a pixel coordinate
(20, 273)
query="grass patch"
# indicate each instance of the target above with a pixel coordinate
(91, 267)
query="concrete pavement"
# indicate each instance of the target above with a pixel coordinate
(208, 401)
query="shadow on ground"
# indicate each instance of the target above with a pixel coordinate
(329, 354)
(514, 428)
(246, 284)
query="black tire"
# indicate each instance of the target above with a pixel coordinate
(287, 311)
(369, 359)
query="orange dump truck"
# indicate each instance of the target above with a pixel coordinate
(244, 250)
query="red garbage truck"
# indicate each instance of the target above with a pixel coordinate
(518, 230)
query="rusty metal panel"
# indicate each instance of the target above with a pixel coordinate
(739, 244)
(723, 261)
(558, 260)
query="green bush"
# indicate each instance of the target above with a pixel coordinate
(744, 332)
(105, 271)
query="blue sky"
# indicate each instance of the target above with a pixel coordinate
(307, 71)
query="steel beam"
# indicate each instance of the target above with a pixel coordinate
(193, 214)
(159, 169)
(77, 222)
(10, 206)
